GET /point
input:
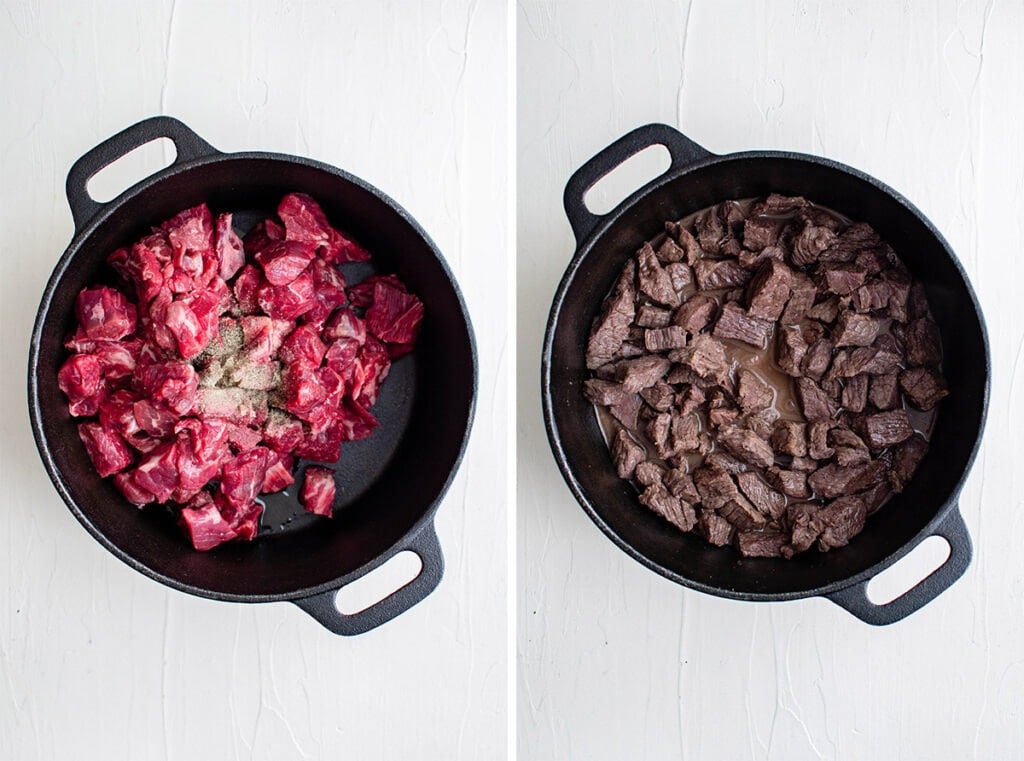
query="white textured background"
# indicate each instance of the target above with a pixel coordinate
(100, 662)
(617, 662)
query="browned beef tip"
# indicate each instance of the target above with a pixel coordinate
(777, 205)
(841, 279)
(810, 243)
(790, 437)
(825, 311)
(899, 292)
(872, 296)
(660, 396)
(864, 359)
(664, 339)
(854, 329)
(725, 461)
(761, 544)
(675, 511)
(626, 453)
(767, 501)
(722, 416)
(817, 359)
(652, 278)
(814, 403)
(923, 386)
(670, 251)
(706, 357)
(817, 440)
(659, 429)
(650, 316)
(854, 239)
(714, 528)
(752, 260)
(850, 449)
(685, 433)
(733, 322)
(719, 228)
(695, 313)
(685, 240)
(924, 346)
(638, 374)
(747, 446)
(601, 392)
(804, 464)
(681, 485)
(613, 325)
(833, 387)
(760, 232)
(648, 473)
(742, 514)
(790, 349)
(712, 274)
(875, 260)
(762, 422)
(906, 459)
(691, 399)
(801, 298)
(754, 394)
(790, 482)
(841, 520)
(627, 410)
(715, 486)
(917, 302)
(884, 429)
(680, 274)
(769, 290)
(803, 526)
(855, 393)
(883, 391)
(833, 479)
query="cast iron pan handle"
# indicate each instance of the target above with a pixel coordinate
(322, 607)
(681, 149)
(855, 598)
(187, 143)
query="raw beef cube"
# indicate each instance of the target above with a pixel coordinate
(81, 380)
(107, 450)
(394, 316)
(305, 221)
(229, 248)
(157, 472)
(173, 384)
(282, 432)
(104, 313)
(242, 477)
(246, 288)
(318, 491)
(126, 484)
(361, 294)
(205, 526)
(326, 445)
(283, 261)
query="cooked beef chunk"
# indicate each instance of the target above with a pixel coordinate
(627, 410)
(801, 518)
(790, 437)
(734, 323)
(825, 311)
(681, 485)
(638, 374)
(833, 479)
(649, 316)
(872, 296)
(814, 403)
(603, 393)
(680, 275)
(760, 232)
(613, 326)
(714, 528)
(691, 399)
(817, 358)
(685, 433)
(778, 205)
(790, 350)
(711, 231)
(747, 446)
(906, 459)
(659, 429)
(722, 416)
(660, 396)
(804, 464)
(627, 454)
(695, 313)
(865, 359)
(652, 278)
(809, 244)
(850, 449)
(706, 357)
(924, 346)
(648, 473)
(754, 393)
(672, 509)
(884, 429)
(670, 251)
(917, 302)
(725, 461)
(899, 293)
(854, 329)
(664, 339)
(817, 440)
(742, 514)
(884, 391)
(752, 260)
(801, 298)
(684, 238)
(851, 241)
(761, 544)
(855, 393)
(768, 501)
(841, 279)
(762, 422)
(841, 520)
(712, 274)
(923, 386)
(790, 482)
(715, 486)
(769, 290)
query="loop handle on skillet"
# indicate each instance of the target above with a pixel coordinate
(322, 607)
(188, 144)
(855, 598)
(681, 149)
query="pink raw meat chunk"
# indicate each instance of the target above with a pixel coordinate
(279, 473)
(171, 383)
(246, 286)
(318, 491)
(395, 315)
(345, 323)
(81, 380)
(361, 294)
(242, 477)
(324, 446)
(193, 261)
(157, 472)
(229, 248)
(305, 221)
(283, 432)
(285, 260)
(204, 524)
(303, 344)
(370, 369)
(104, 313)
(330, 291)
(356, 421)
(286, 302)
(261, 235)
(106, 448)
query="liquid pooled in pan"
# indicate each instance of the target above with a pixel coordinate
(767, 374)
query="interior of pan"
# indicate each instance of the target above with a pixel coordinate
(387, 483)
(613, 503)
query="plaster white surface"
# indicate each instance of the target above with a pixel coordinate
(100, 662)
(616, 662)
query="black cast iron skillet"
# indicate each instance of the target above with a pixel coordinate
(697, 179)
(389, 485)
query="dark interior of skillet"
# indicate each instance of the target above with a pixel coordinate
(687, 558)
(386, 483)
